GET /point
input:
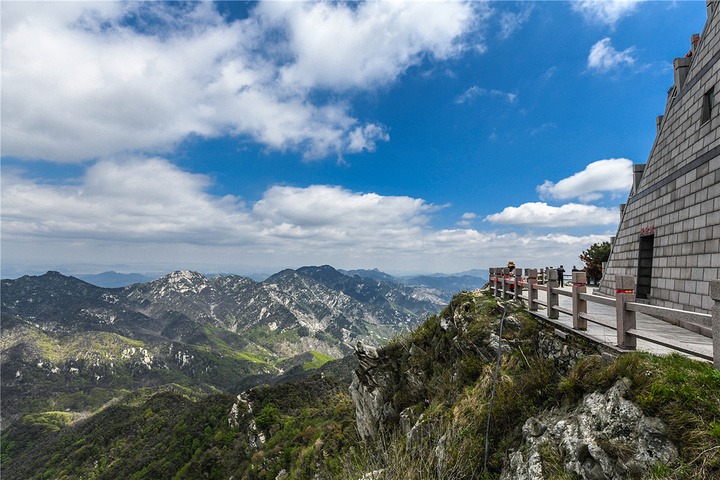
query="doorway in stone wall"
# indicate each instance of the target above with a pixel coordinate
(645, 258)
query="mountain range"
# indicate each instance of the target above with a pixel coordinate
(447, 284)
(71, 345)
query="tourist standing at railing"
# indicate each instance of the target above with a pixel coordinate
(511, 273)
(561, 275)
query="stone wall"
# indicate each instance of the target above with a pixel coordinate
(677, 199)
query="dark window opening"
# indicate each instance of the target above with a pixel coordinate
(645, 258)
(708, 104)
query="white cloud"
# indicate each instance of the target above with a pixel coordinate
(467, 219)
(474, 92)
(150, 215)
(540, 214)
(364, 138)
(331, 214)
(340, 46)
(510, 22)
(135, 200)
(151, 200)
(611, 175)
(80, 83)
(608, 12)
(603, 57)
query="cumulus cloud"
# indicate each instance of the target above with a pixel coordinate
(612, 175)
(608, 12)
(81, 82)
(337, 46)
(151, 200)
(604, 58)
(332, 214)
(146, 213)
(134, 200)
(540, 214)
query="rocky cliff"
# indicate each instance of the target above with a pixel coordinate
(562, 408)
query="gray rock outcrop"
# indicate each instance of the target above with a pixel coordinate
(606, 437)
(371, 394)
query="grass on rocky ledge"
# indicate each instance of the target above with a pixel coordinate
(684, 393)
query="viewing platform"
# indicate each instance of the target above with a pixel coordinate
(645, 322)
(619, 322)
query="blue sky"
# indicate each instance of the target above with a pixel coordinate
(413, 137)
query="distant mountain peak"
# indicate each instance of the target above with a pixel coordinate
(184, 275)
(374, 274)
(323, 271)
(182, 281)
(55, 277)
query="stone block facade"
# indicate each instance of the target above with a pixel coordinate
(669, 233)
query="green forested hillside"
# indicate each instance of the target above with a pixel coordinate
(300, 427)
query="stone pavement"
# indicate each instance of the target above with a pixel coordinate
(643, 323)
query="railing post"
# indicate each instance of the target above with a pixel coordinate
(495, 281)
(552, 297)
(625, 292)
(531, 274)
(492, 280)
(715, 295)
(518, 281)
(579, 306)
(505, 277)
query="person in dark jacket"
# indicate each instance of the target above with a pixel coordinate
(561, 275)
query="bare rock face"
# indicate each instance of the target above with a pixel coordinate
(605, 438)
(371, 391)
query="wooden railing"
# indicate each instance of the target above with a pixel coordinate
(513, 285)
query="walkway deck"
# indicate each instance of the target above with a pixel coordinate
(643, 322)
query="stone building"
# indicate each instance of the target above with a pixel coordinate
(669, 233)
